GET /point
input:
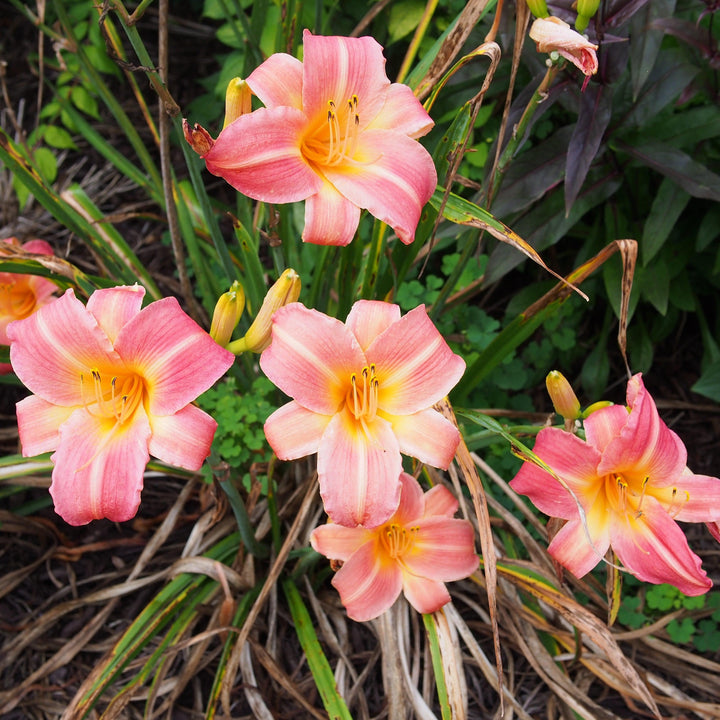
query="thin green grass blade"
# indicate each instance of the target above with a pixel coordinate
(317, 662)
(439, 672)
(160, 611)
(104, 148)
(61, 272)
(241, 613)
(109, 244)
(108, 97)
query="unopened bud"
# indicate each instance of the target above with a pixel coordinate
(562, 395)
(585, 10)
(538, 8)
(285, 290)
(238, 100)
(595, 406)
(198, 137)
(227, 314)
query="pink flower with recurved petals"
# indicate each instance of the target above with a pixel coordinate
(553, 35)
(363, 393)
(113, 385)
(631, 479)
(334, 132)
(416, 551)
(21, 295)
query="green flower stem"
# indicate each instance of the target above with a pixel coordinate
(373, 261)
(518, 135)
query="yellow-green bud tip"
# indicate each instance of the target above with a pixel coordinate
(238, 100)
(227, 314)
(562, 395)
(285, 290)
(595, 406)
(538, 8)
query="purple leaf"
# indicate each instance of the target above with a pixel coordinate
(593, 119)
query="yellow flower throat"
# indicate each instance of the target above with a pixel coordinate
(112, 397)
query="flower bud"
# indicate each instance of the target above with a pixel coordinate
(585, 10)
(285, 290)
(227, 314)
(562, 395)
(538, 8)
(238, 100)
(595, 406)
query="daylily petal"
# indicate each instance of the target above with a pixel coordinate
(655, 549)
(714, 529)
(440, 501)
(114, 307)
(392, 176)
(38, 247)
(697, 498)
(402, 113)
(411, 503)
(336, 68)
(572, 460)
(38, 423)
(311, 357)
(645, 444)
(99, 470)
(294, 432)
(368, 583)
(278, 81)
(177, 359)
(417, 366)
(339, 542)
(359, 471)
(572, 548)
(259, 155)
(182, 439)
(330, 218)
(42, 288)
(427, 436)
(604, 425)
(52, 347)
(426, 596)
(369, 318)
(443, 549)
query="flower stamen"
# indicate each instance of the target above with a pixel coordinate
(362, 398)
(398, 539)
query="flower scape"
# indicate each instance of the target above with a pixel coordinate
(275, 437)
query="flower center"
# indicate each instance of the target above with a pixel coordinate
(362, 397)
(112, 397)
(335, 140)
(16, 301)
(397, 540)
(626, 495)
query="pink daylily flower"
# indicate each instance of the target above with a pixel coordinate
(553, 35)
(363, 393)
(334, 132)
(416, 551)
(21, 295)
(631, 479)
(113, 385)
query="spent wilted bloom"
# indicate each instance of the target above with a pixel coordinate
(623, 488)
(334, 132)
(21, 294)
(416, 551)
(113, 384)
(362, 394)
(553, 35)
